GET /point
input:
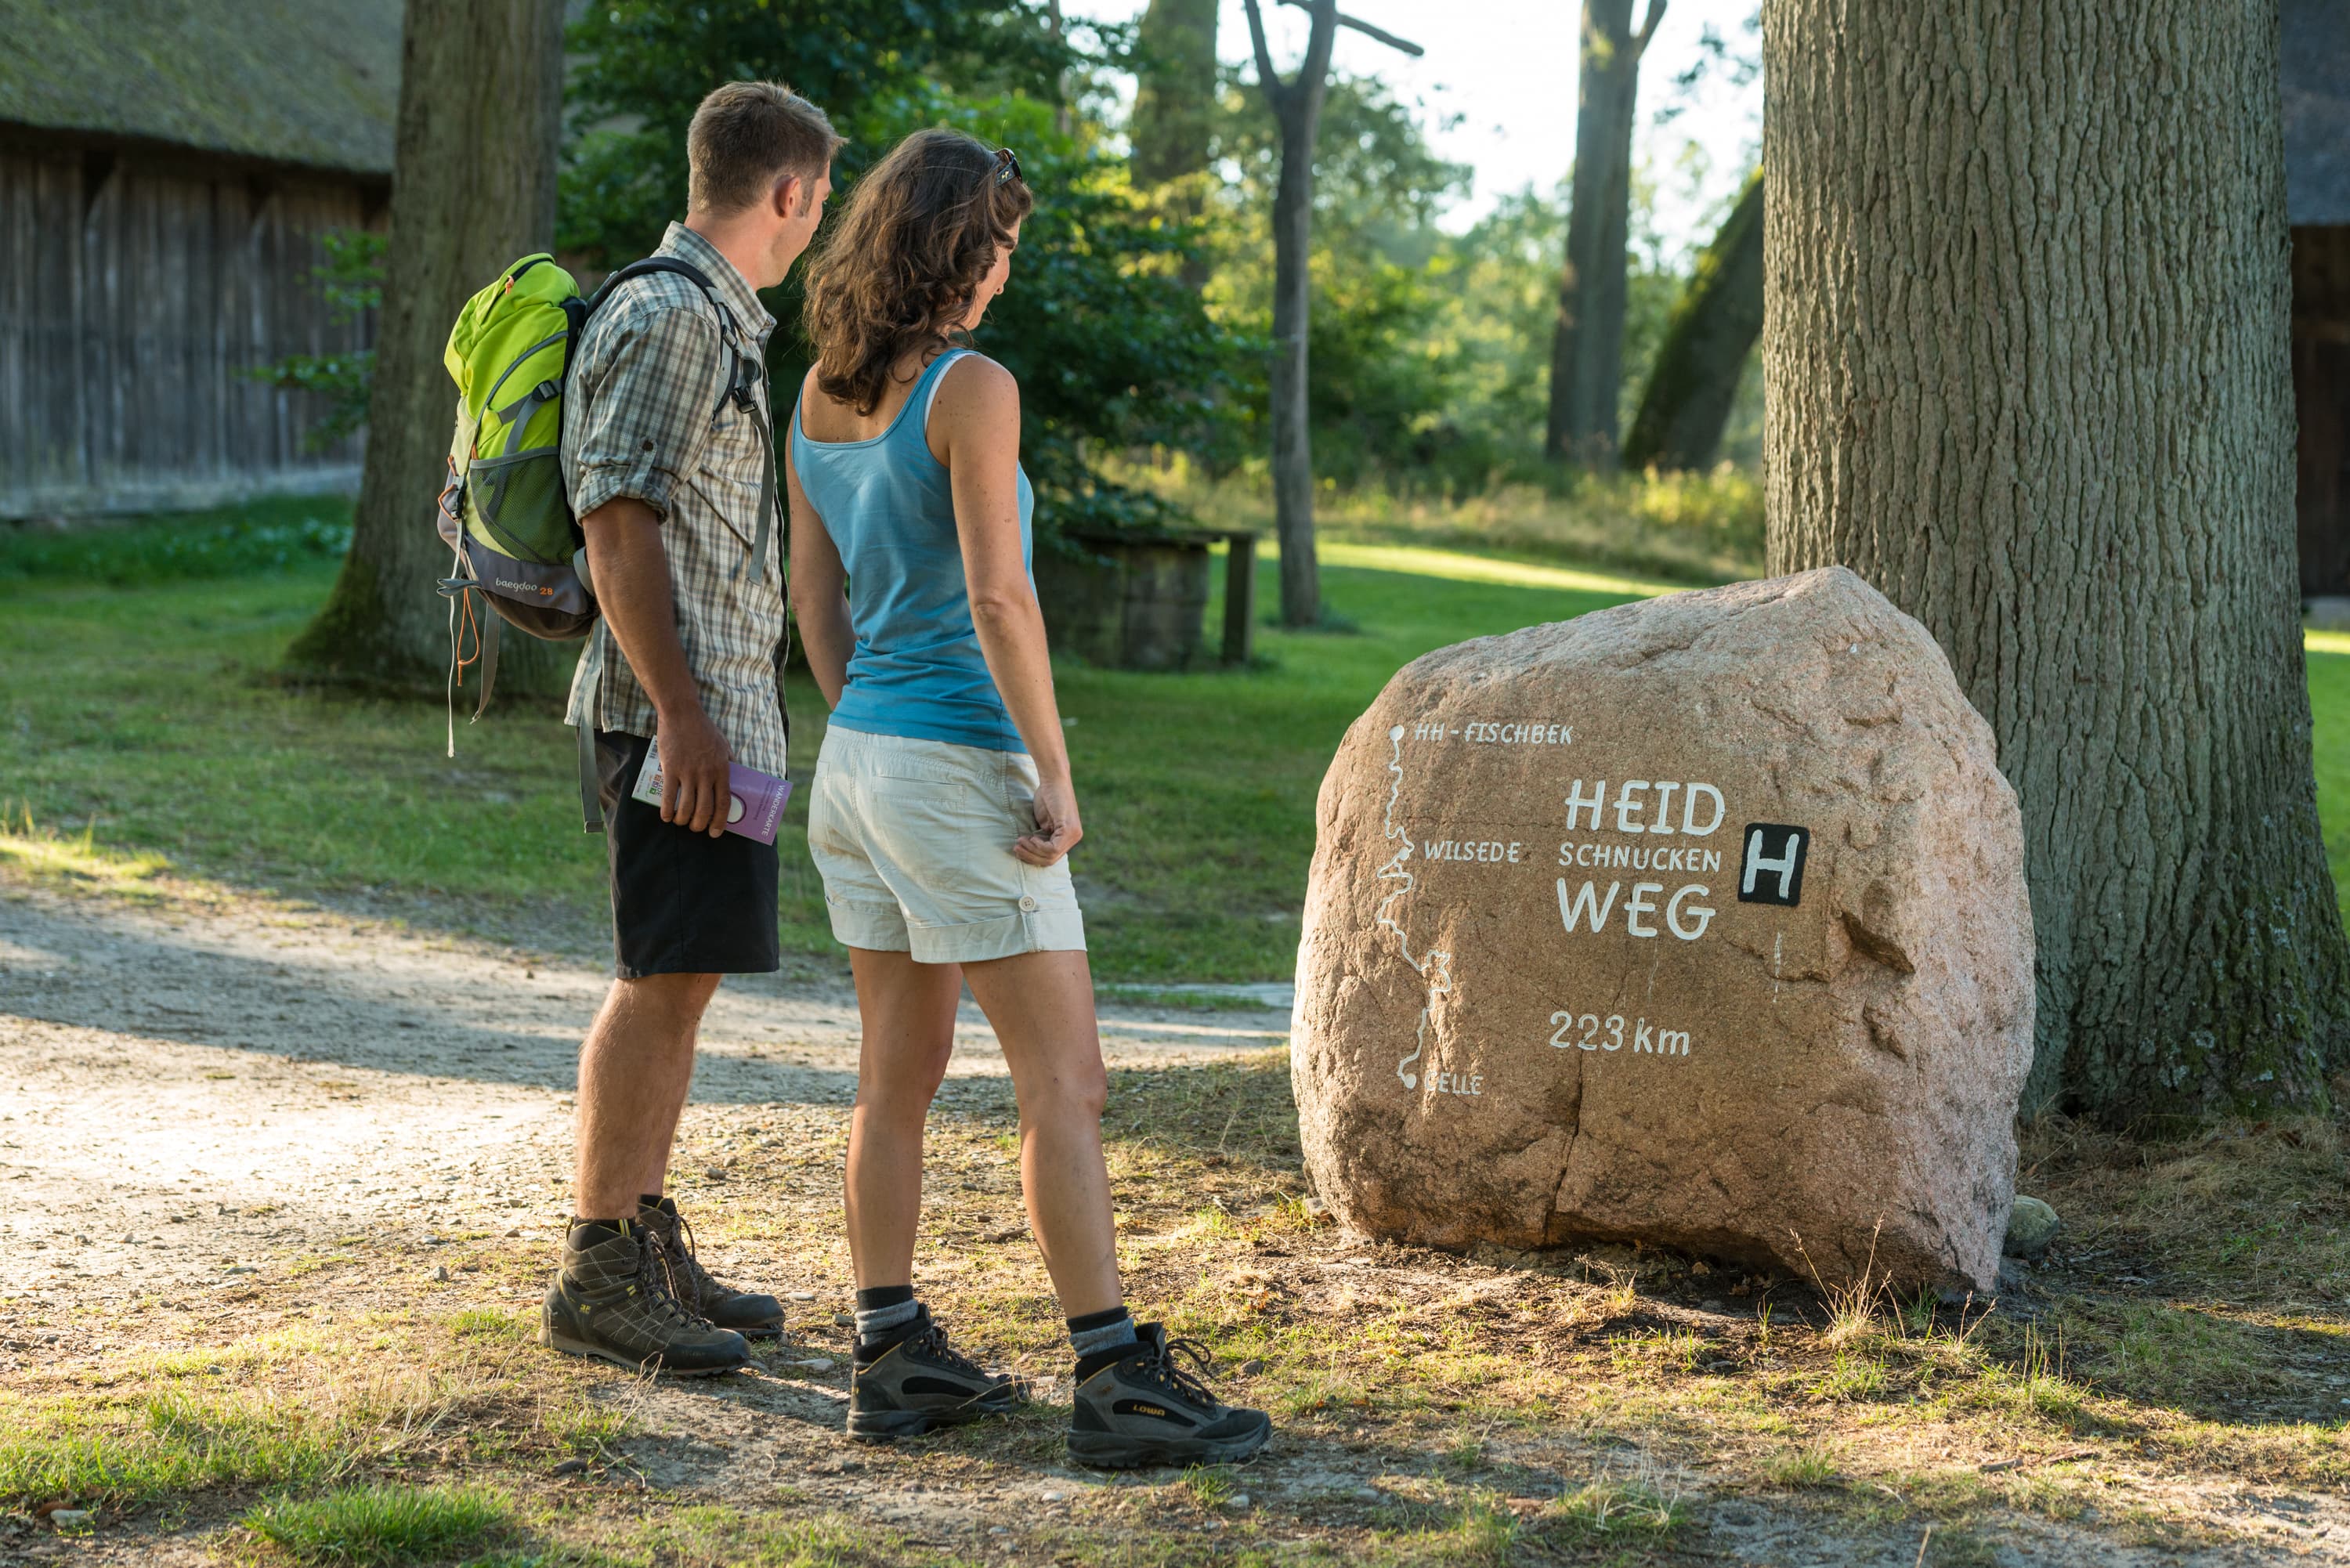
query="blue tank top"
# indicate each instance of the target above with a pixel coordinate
(916, 669)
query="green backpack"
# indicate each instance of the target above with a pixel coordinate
(504, 512)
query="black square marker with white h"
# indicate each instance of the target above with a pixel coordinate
(1772, 870)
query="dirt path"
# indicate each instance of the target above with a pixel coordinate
(284, 1077)
(190, 1098)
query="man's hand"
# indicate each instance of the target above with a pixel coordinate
(630, 568)
(1057, 829)
(693, 758)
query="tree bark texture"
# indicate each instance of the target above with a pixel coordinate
(1175, 96)
(2024, 338)
(1587, 361)
(1297, 108)
(1174, 109)
(1713, 330)
(480, 98)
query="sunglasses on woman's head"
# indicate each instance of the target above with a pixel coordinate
(1007, 166)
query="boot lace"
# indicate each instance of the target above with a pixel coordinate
(933, 1343)
(1166, 1368)
(658, 1270)
(675, 1242)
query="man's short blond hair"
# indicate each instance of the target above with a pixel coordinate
(745, 137)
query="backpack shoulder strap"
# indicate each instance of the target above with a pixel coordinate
(648, 267)
(747, 372)
(745, 368)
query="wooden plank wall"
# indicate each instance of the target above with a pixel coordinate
(132, 296)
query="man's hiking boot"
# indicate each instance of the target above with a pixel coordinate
(613, 1298)
(920, 1382)
(752, 1315)
(1151, 1409)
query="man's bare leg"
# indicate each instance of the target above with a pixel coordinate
(634, 1072)
(618, 1295)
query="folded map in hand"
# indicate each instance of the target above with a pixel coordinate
(755, 807)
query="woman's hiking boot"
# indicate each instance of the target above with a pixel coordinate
(1152, 1409)
(613, 1300)
(748, 1313)
(918, 1381)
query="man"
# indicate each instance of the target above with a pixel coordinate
(667, 474)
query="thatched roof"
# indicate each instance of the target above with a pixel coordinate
(2317, 111)
(312, 82)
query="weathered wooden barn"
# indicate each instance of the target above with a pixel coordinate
(2316, 64)
(167, 169)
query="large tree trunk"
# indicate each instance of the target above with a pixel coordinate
(1706, 345)
(1587, 361)
(2025, 349)
(1292, 442)
(1175, 96)
(481, 97)
(1174, 109)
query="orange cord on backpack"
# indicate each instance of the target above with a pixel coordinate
(466, 625)
(466, 628)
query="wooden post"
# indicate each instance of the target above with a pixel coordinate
(1240, 597)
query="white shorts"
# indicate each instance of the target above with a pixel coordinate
(913, 840)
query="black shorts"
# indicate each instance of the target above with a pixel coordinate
(683, 902)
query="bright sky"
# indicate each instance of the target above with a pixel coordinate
(1507, 68)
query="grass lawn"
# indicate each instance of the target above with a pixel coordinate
(142, 720)
(142, 714)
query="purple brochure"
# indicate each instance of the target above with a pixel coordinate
(755, 808)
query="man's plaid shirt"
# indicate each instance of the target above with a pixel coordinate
(644, 416)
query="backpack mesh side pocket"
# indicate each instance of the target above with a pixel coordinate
(517, 503)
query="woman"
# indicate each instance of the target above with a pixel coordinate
(941, 814)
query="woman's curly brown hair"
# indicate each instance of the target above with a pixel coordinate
(902, 267)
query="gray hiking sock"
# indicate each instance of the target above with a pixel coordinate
(1100, 1338)
(874, 1323)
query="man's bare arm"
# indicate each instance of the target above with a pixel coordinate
(629, 567)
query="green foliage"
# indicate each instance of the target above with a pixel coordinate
(1112, 352)
(645, 66)
(258, 537)
(1379, 375)
(1431, 351)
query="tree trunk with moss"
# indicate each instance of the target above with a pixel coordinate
(481, 96)
(2025, 346)
(1706, 345)
(1175, 94)
(1174, 109)
(1586, 362)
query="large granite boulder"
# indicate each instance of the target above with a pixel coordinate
(1699, 922)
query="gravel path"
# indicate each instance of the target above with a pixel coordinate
(189, 1088)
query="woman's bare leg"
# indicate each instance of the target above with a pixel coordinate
(908, 1013)
(1042, 1007)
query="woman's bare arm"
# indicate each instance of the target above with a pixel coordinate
(974, 429)
(818, 597)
